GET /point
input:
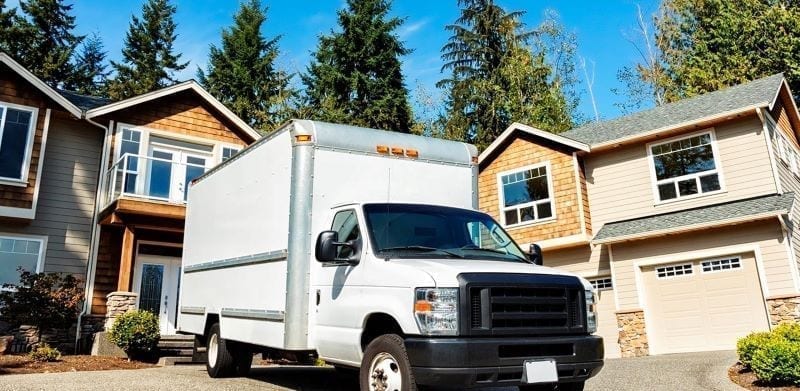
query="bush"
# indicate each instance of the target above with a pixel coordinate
(747, 346)
(778, 361)
(135, 332)
(44, 353)
(788, 331)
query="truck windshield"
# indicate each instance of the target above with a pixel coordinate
(414, 231)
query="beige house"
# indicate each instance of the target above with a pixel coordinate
(683, 216)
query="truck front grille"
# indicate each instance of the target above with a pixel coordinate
(525, 305)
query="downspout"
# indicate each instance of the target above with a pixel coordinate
(95, 234)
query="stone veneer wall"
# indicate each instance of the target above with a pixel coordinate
(632, 333)
(783, 309)
(118, 303)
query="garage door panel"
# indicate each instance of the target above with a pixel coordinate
(607, 322)
(703, 310)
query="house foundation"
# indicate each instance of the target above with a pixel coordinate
(632, 333)
(783, 309)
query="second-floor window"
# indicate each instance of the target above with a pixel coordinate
(228, 152)
(685, 167)
(526, 195)
(16, 134)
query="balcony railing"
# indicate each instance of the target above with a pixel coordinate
(149, 178)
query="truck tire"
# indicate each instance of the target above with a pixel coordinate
(220, 361)
(578, 386)
(385, 366)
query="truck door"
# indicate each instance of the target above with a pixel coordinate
(339, 291)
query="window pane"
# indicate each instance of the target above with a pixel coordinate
(537, 188)
(130, 183)
(345, 223)
(14, 254)
(526, 214)
(14, 143)
(709, 183)
(160, 175)
(687, 187)
(683, 157)
(667, 191)
(150, 289)
(544, 211)
(524, 187)
(511, 217)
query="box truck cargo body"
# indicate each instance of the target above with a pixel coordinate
(349, 244)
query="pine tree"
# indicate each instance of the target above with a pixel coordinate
(148, 59)
(242, 73)
(497, 78)
(355, 76)
(11, 41)
(90, 73)
(47, 40)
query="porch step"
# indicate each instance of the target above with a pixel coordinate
(171, 346)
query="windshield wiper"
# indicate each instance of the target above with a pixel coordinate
(494, 250)
(420, 248)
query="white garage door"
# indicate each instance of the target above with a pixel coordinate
(703, 305)
(606, 317)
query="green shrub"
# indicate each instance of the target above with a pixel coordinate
(778, 361)
(44, 353)
(788, 331)
(135, 332)
(747, 346)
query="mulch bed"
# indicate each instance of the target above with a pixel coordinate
(747, 379)
(20, 364)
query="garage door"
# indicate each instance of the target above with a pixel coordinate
(703, 305)
(606, 317)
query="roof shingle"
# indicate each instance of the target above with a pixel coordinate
(84, 102)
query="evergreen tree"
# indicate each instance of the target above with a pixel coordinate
(497, 78)
(148, 59)
(355, 75)
(90, 68)
(47, 42)
(242, 73)
(11, 39)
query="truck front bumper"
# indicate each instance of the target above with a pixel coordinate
(480, 362)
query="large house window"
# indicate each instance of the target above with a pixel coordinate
(19, 253)
(526, 195)
(686, 167)
(16, 134)
(131, 140)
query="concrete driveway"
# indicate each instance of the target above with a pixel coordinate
(691, 371)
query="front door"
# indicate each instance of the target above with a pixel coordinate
(171, 170)
(157, 280)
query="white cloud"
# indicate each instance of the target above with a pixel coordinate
(409, 29)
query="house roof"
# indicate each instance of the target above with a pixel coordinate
(50, 92)
(698, 218)
(518, 127)
(189, 85)
(84, 102)
(757, 93)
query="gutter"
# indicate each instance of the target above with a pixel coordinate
(95, 234)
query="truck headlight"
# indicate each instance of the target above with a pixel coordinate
(436, 310)
(591, 312)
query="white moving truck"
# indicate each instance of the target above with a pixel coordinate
(363, 248)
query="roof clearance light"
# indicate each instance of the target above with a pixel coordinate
(303, 138)
(475, 159)
(398, 151)
(382, 149)
(412, 153)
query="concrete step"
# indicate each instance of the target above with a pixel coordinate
(175, 344)
(173, 360)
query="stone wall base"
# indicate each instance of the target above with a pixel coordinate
(783, 309)
(632, 334)
(118, 303)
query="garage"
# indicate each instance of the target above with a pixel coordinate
(606, 317)
(702, 305)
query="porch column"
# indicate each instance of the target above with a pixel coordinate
(126, 260)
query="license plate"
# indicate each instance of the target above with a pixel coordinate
(543, 371)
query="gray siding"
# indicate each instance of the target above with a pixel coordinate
(66, 196)
(789, 182)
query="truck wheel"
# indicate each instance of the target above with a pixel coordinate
(385, 366)
(220, 361)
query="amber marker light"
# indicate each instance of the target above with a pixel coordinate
(303, 138)
(423, 306)
(398, 151)
(475, 159)
(412, 153)
(382, 149)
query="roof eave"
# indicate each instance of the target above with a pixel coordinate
(516, 126)
(691, 227)
(701, 122)
(42, 86)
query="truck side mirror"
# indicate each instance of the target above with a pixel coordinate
(327, 247)
(535, 254)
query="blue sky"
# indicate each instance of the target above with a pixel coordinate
(601, 28)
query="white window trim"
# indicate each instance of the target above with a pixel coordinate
(675, 265)
(221, 149)
(501, 197)
(790, 159)
(146, 132)
(26, 162)
(42, 247)
(717, 164)
(737, 258)
(598, 278)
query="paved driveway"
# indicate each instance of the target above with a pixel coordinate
(693, 371)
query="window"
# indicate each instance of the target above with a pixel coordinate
(228, 152)
(602, 283)
(525, 195)
(674, 271)
(786, 150)
(16, 134)
(685, 167)
(717, 265)
(131, 140)
(17, 252)
(345, 223)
